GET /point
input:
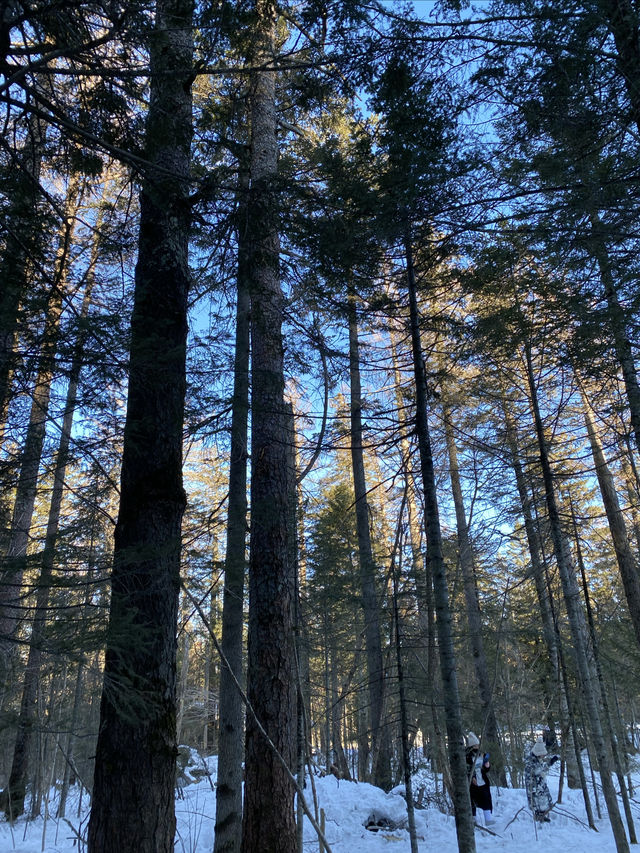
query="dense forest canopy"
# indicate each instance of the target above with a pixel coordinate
(319, 405)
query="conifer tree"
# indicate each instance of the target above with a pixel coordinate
(21, 248)
(14, 558)
(576, 617)
(414, 183)
(270, 726)
(230, 742)
(133, 791)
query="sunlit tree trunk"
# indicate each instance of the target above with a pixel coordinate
(335, 711)
(268, 821)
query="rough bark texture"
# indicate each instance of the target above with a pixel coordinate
(133, 793)
(268, 818)
(491, 737)
(381, 771)
(435, 562)
(228, 829)
(576, 619)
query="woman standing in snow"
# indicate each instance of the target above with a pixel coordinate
(479, 785)
(536, 768)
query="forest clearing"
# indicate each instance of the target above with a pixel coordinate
(319, 422)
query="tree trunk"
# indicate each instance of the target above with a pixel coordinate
(435, 563)
(404, 723)
(430, 723)
(181, 695)
(631, 487)
(268, 819)
(413, 523)
(12, 609)
(22, 237)
(381, 771)
(228, 829)
(302, 635)
(615, 752)
(576, 618)
(538, 571)
(335, 711)
(77, 729)
(618, 325)
(15, 792)
(135, 767)
(623, 24)
(491, 739)
(627, 562)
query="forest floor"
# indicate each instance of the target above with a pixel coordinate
(348, 807)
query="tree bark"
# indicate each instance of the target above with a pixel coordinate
(429, 722)
(615, 752)
(268, 819)
(631, 487)
(627, 562)
(23, 236)
(491, 739)
(618, 325)
(413, 523)
(435, 563)
(14, 794)
(381, 771)
(335, 711)
(135, 766)
(576, 617)
(538, 570)
(228, 829)
(12, 607)
(404, 722)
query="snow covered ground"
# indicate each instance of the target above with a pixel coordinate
(347, 807)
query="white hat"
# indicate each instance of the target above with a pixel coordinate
(539, 748)
(472, 740)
